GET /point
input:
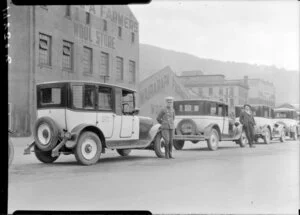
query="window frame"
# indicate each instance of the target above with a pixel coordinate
(83, 97)
(104, 73)
(121, 79)
(71, 56)
(91, 60)
(49, 49)
(112, 98)
(134, 71)
(68, 12)
(64, 95)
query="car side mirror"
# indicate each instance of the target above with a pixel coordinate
(236, 124)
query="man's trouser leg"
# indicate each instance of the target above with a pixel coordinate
(171, 132)
(249, 137)
(166, 136)
(251, 133)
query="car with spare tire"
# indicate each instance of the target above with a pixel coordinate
(85, 118)
(265, 128)
(205, 120)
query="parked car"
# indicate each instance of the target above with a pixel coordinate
(86, 118)
(288, 118)
(10, 148)
(205, 120)
(265, 127)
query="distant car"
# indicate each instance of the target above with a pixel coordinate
(288, 118)
(85, 118)
(265, 127)
(205, 120)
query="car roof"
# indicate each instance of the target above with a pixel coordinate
(86, 82)
(207, 100)
(284, 109)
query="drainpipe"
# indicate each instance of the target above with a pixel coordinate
(31, 91)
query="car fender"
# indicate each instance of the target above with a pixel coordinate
(154, 131)
(208, 129)
(76, 131)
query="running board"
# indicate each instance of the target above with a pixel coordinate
(188, 137)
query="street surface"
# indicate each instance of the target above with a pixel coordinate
(264, 179)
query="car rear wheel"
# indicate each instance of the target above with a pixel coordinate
(46, 134)
(88, 148)
(282, 136)
(243, 141)
(159, 146)
(213, 140)
(44, 156)
(178, 144)
(124, 152)
(267, 136)
(11, 152)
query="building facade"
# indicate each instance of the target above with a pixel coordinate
(261, 92)
(153, 90)
(49, 43)
(231, 92)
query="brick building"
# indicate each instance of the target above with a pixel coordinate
(48, 43)
(261, 92)
(153, 90)
(216, 87)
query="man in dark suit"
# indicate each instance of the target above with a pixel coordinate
(166, 118)
(248, 122)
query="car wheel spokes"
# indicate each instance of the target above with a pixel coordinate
(89, 149)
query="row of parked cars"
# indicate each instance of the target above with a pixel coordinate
(87, 118)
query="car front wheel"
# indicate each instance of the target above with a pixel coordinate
(159, 146)
(44, 157)
(124, 152)
(282, 136)
(267, 137)
(178, 144)
(213, 140)
(243, 141)
(88, 148)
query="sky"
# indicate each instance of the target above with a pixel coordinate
(256, 32)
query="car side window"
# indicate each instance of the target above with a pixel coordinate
(104, 98)
(127, 102)
(220, 110)
(89, 97)
(77, 92)
(213, 109)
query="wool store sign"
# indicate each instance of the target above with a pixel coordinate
(111, 14)
(94, 36)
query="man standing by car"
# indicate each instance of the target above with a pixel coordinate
(248, 122)
(166, 118)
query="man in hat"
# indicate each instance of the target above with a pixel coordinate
(166, 118)
(248, 122)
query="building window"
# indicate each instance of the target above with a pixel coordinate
(44, 7)
(210, 91)
(87, 60)
(67, 55)
(221, 91)
(68, 11)
(45, 49)
(119, 69)
(132, 37)
(87, 18)
(231, 92)
(104, 64)
(131, 71)
(104, 25)
(120, 32)
(200, 91)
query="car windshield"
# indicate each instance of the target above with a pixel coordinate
(50, 96)
(284, 114)
(199, 108)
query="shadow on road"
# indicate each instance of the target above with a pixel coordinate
(207, 149)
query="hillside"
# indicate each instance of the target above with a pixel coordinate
(154, 58)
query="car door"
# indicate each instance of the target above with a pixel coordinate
(127, 119)
(105, 113)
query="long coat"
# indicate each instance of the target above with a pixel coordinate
(247, 119)
(166, 118)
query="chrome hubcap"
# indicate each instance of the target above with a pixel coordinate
(44, 134)
(89, 149)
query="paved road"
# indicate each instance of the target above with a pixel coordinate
(231, 180)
